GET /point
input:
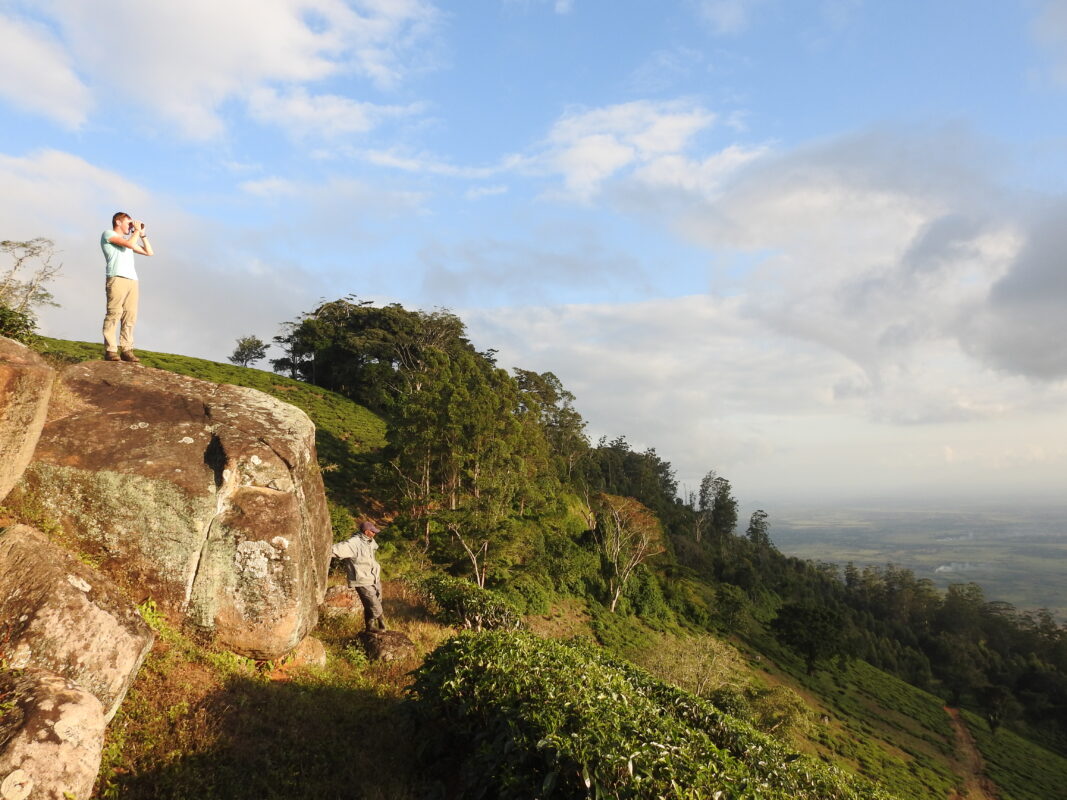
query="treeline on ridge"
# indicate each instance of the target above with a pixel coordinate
(493, 476)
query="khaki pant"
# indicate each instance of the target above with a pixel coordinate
(372, 600)
(121, 308)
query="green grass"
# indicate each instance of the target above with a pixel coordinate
(348, 437)
(205, 724)
(883, 728)
(1021, 769)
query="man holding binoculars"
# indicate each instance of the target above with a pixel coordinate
(126, 237)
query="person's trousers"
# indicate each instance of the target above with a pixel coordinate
(372, 600)
(121, 310)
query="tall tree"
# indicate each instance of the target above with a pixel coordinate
(627, 535)
(758, 531)
(723, 509)
(814, 632)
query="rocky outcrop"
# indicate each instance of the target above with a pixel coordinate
(51, 737)
(58, 614)
(25, 386)
(205, 497)
(386, 645)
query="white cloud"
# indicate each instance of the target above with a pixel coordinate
(326, 116)
(36, 73)
(427, 164)
(589, 147)
(663, 68)
(896, 301)
(705, 176)
(185, 61)
(728, 17)
(270, 188)
(1050, 29)
(871, 244)
(711, 386)
(478, 192)
(494, 271)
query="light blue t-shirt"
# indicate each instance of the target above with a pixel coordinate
(119, 259)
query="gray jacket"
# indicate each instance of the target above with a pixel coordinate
(358, 554)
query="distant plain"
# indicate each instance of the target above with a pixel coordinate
(1016, 556)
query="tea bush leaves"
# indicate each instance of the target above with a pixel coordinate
(464, 604)
(552, 720)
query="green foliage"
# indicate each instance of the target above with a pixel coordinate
(1021, 769)
(342, 523)
(644, 596)
(462, 603)
(249, 350)
(18, 325)
(528, 593)
(535, 713)
(24, 280)
(152, 615)
(28, 508)
(813, 631)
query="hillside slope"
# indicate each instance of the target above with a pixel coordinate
(199, 723)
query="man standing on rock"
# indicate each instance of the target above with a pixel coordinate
(126, 237)
(364, 572)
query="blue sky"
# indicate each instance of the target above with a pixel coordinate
(816, 246)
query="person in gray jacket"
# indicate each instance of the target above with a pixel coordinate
(364, 572)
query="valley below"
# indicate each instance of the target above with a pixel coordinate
(1018, 556)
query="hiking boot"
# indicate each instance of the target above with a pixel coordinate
(128, 355)
(111, 355)
(381, 623)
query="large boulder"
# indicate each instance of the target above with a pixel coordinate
(51, 737)
(58, 614)
(206, 497)
(25, 385)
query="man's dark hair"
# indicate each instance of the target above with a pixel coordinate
(119, 215)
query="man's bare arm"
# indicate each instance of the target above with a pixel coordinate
(144, 248)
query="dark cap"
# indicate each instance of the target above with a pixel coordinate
(367, 525)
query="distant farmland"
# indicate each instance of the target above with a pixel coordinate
(1018, 557)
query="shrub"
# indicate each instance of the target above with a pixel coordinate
(645, 596)
(462, 603)
(18, 325)
(341, 521)
(528, 594)
(536, 717)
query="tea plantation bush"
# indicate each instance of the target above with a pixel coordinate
(536, 718)
(462, 603)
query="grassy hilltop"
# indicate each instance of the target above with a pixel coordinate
(683, 683)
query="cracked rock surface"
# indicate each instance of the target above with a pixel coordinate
(205, 497)
(50, 739)
(25, 386)
(59, 614)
